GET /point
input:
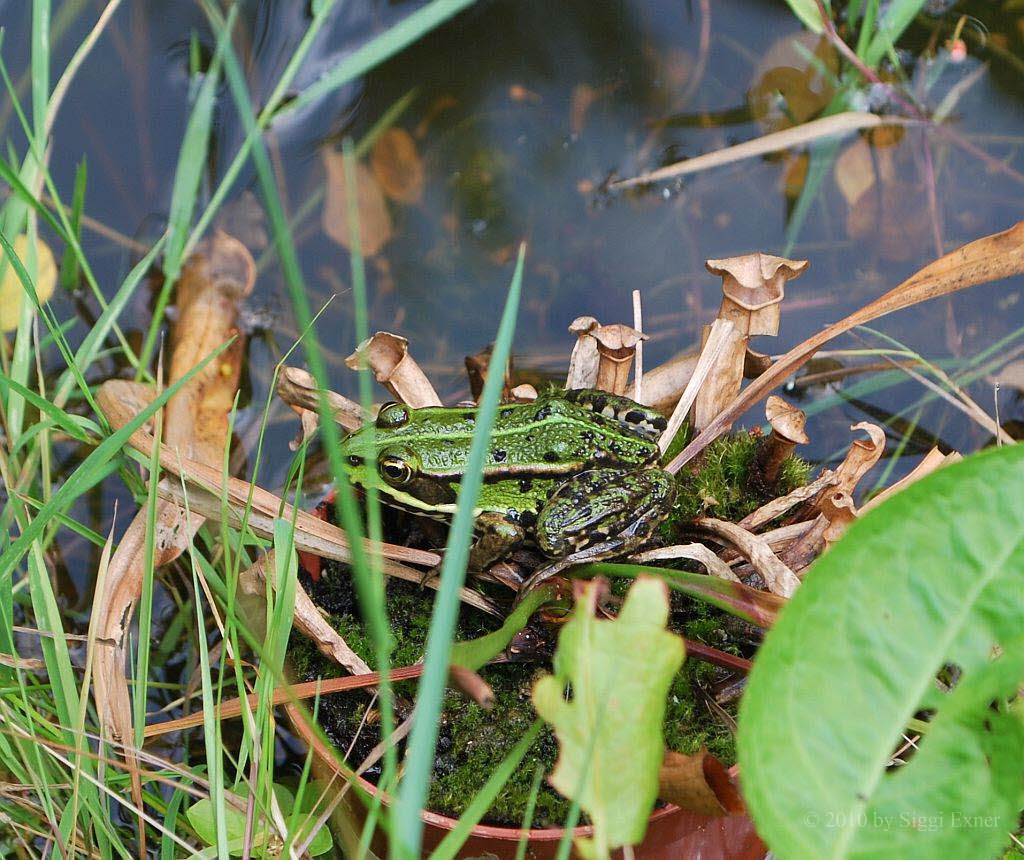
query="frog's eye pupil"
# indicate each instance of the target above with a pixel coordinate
(395, 471)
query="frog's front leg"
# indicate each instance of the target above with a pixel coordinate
(600, 514)
(498, 536)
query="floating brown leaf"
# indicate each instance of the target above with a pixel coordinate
(397, 166)
(374, 219)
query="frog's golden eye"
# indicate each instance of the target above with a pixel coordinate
(392, 415)
(394, 470)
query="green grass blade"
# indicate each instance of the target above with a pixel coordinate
(407, 826)
(69, 263)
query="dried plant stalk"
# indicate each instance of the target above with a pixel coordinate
(584, 358)
(753, 287)
(933, 460)
(387, 355)
(308, 620)
(987, 259)
(777, 576)
(693, 551)
(721, 334)
(213, 283)
(616, 347)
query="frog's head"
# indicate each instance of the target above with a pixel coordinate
(379, 456)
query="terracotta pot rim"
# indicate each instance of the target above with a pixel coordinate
(541, 834)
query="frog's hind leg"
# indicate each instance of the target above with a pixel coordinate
(638, 420)
(598, 515)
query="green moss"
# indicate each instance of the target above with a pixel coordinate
(721, 485)
(472, 741)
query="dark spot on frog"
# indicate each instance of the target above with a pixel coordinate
(528, 518)
(530, 437)
(542, 413)
(634, 416)
(598, 404)
(525, 485)
(588, 436)
(469, 416)
(659, 423)
(550, 457)
(498, 456)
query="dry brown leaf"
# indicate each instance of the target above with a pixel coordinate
(698, 783)
(798, 68)
(777, 507)
(387, 355)
(663, 386)
(987, 259)
(213, 283)
(398, 167)
(12, 292)
(374, 219)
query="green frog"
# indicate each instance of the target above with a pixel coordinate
(574, 473)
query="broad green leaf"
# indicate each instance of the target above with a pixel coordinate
(201, 817)
(933, 576)
(610, 730)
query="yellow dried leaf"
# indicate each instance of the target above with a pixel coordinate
(397, 166)
(855, 171)
(374, 220)
(12, 292)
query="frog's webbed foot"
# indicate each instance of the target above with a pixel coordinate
(595, 552)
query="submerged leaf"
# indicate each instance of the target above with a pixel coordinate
(610, 730)
(12, 291)
(374, 220)
(931, 577)
(397, 166)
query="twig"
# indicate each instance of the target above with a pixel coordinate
(808, 132)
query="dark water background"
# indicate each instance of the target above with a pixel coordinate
(504, 159)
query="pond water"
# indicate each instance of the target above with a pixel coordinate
(519, 113)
